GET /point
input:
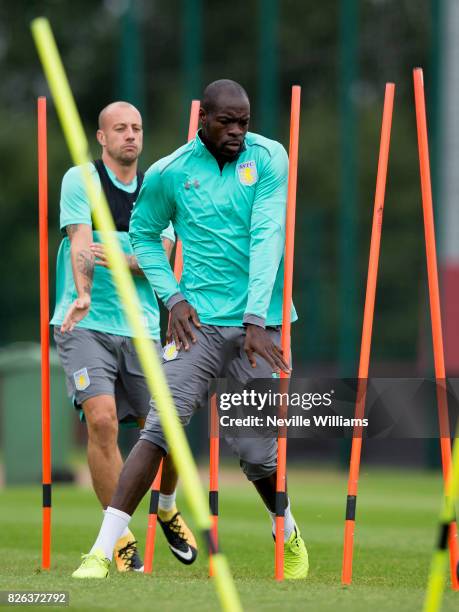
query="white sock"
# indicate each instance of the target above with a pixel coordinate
(125, 532)
(166, 502)
(289, 522)
(114, 524)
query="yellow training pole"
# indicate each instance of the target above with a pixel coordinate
(79, 150)
(439, 563)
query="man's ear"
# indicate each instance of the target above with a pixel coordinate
(100, 137)
(202, 116)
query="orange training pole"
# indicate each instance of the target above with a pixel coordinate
(192, 129)
(213, 474)
(152, 521)
(368, 315)
(156, 485)
(434, 296)
(44, 331)
(286, 322)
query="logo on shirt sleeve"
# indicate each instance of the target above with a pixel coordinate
(189, 184)
(247, 172)
(81, 378)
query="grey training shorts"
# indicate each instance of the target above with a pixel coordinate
(218, 353)
(96, 363)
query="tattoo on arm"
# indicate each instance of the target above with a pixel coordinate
(85, 264)
(71, 230)
(80, 236)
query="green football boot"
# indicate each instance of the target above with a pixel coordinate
(296, 562)
(94, 565)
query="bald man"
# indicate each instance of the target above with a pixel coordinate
(91, 332)
(225, 192)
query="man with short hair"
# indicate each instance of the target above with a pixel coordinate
(225, 193)
(92, 335)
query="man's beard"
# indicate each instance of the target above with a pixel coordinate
(127, 159)
(230, 157)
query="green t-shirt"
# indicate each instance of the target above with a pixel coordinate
(106, 313)
(232, 226)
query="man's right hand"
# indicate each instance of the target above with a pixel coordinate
(179, 328)
(76, 312)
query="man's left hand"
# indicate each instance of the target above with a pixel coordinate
(101, 259)
(257, 340)
(98, 250)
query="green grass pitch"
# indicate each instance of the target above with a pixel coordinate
(396, 529)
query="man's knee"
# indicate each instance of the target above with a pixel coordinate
(101, 419)
(257, 471)
(153, 431)
(258, 459)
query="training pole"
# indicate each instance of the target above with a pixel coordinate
(439, 563)
(152, 522)
(434, 298)
(214, 460)
(286, 322)
(44, 331)
(156, 485)
(365, 347)
(192, 129)
(151, 365)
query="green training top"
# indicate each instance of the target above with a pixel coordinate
(106, 313)
(232, 226)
